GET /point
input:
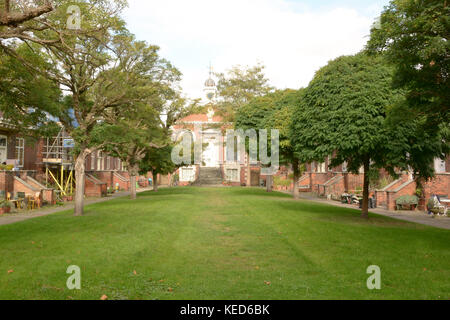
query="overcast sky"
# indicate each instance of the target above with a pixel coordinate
(292, 38)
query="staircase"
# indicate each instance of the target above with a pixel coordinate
(209, 177)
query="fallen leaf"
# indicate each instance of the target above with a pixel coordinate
(267, 283)
(170, 289)
(424, 269)
(104, 297)
(10, 271)
(257, 268)
(161, 281)
(134, 272)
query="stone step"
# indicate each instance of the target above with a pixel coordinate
(209, 176)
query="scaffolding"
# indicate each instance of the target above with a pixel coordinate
(58, 160)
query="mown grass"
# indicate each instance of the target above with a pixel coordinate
(225, 243)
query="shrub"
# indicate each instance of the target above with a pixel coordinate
(407, 201)
(280, 182)
(5, 204)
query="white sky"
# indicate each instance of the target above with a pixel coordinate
(293, 39)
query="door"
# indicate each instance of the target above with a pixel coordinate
(255, 176)
(211, 153)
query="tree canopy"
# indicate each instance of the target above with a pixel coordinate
(239, 86)
(342, 114)
(414, 36)
(273, 111)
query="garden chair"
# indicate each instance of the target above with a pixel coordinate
(37, 198)
(31, 202)
(16, 202)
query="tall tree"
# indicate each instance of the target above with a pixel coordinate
(26, 98)
(274, 111)
(158, 161)
(285, 104)
(343, 113)
(237, 88)
(414, 36)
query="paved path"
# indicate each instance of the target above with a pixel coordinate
(411, 216)
(22, 216)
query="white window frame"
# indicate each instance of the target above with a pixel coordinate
(20, 152)
(184, 177)
(100, 161)
(322, 167)
(93, 161)
(235, 177)
(440, 165)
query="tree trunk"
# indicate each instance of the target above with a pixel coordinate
(269, 183)
(365, 206)
(80, 178)
(296, 191)
(133, 186)
(155, 181)
(249, 173)
(133, 172)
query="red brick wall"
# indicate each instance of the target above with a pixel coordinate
(95, 189)
(106, 177)
(440, 185)
(7, 181)
(28, 189)
(124, 183)
(392, 196)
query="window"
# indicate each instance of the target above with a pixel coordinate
(439, 166)
(20, 151)
(3, 141)
(232, 174)
(100, 162)
(344, 167)
(108, 163)
(321, 167)
(233, 155)
(93, 161)
(187, 174)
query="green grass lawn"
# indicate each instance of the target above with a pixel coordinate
(226, 243)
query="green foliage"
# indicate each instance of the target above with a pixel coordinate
(26, 97)
(343, 113)
(279, 181)
(414, 36)
(407, 201)
(238, 87)
(272, 111)
(8, 167)
(5, 204)
(158, 161)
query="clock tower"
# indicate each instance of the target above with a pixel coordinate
(210, 86)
